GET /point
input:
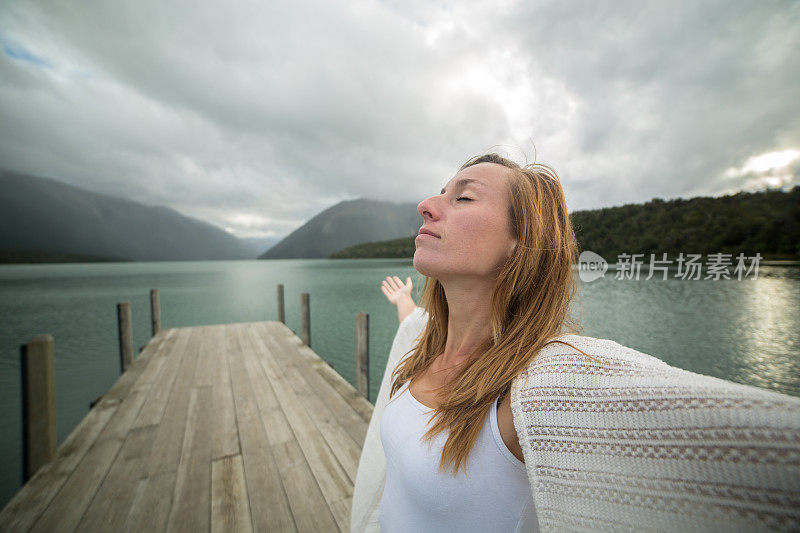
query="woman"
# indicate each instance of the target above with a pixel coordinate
(497, 419)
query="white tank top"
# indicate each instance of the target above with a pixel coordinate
(494, 496)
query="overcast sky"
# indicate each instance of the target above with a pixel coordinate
(257, 115)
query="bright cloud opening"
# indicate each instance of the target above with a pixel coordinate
(765, 162)
(772, 169)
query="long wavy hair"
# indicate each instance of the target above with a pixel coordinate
(529, 306)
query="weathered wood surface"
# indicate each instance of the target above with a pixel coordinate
(236, 427)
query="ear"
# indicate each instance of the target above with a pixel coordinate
(511, 248)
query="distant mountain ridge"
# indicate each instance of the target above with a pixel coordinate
(346, 224)
(46, 215)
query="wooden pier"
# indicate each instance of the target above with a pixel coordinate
(235, 427)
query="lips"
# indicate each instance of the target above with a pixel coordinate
(424, 231)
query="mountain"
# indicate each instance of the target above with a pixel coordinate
(44, 215)
(346, 224)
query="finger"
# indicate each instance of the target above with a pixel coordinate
(408, 281)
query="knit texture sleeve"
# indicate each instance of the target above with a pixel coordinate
(371, 474)
(632, 443)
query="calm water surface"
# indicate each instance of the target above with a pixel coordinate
(745, 331)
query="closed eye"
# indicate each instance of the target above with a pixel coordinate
(463, 198)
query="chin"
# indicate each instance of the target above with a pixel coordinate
(426, 268)
(420, 266)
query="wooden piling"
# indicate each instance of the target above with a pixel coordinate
(125, 335)
(362, 354)
(155, 311)
(305, 310)
(281, 308)
(38, 404)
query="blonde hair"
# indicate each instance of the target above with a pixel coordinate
(529, 306)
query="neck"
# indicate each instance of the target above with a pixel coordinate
(468, 322)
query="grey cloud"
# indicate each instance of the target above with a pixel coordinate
(269, 113)
(687, 89)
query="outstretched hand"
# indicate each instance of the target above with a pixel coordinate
(399, 294)
(395, 290)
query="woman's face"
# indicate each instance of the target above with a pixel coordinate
(471, 220)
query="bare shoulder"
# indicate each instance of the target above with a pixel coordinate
(505, 423)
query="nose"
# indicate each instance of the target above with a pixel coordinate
(427, 209)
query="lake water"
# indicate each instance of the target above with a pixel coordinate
(745, 331)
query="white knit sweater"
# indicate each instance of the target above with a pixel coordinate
(631, 444)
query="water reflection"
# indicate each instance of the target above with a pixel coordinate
(746, 331)
(768, 318)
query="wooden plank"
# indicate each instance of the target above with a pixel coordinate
(153, 345)
(316, 401)
(131, 403)
(111, 504)
(34, 497)
(128, 379)
(308, 369)
(220, 427)
(333, 481)
(334, 484)
(287, 398)
(341, 512)
(269, 508)
(206, 363)
(226, 433)
(230, 509)
(221, 368)
(357, 402)
(151, 503)
(156, 353)
(80, 488)
(272, 413)
(65, 511)
(309, 508)
(138, 443)
(153, 409)
(125, 415)
(168, 443)
(192, 499)
(331, 415)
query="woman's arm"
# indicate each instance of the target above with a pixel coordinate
(399, 294)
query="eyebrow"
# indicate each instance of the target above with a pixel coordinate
(463, 182)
